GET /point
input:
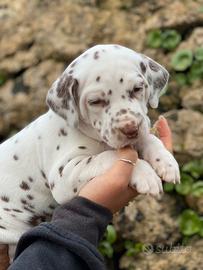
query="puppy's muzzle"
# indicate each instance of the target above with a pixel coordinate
(130, 130)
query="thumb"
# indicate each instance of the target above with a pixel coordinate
(121, 169)
(164, 132)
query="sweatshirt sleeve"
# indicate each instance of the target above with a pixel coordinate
(69, 241)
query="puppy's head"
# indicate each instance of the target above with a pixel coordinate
(109, 88)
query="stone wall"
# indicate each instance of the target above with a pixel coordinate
(39, 38)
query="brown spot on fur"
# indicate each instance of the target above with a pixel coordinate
(23, 201)
(61, 170)
(123, 111)
(89, 159)
(5, 198)
(30, 179)
(82, 147)
(110, 92)
(98, 78)
(24, 186)
(63, 132)
(96, 55)
(153, 66)
(15, 157)
(58, 147)
(30, 197)
(7, 209)
(143, 67)
(75, 190)
(17, 210)
(52, 185)
(43, 174)
(46, 185)
(121, 80)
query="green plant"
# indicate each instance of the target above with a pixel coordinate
(106, 244)
(170, 39)
(194, 168)
(166, 39)
(182, 60)
(133, 248)
(190, 223)
(154, 39)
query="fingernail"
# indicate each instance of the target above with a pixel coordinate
(161, 117)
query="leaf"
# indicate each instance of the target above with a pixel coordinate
(189, 222)
(154, 39)
(168, 187)
(197, 189)
(106, 249)
(182, 60)
(195, 168)
(170, 39)
(185, 185)
(111, 234)
(199, 54)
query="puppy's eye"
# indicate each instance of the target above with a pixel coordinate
(136, 89)
(97, 102)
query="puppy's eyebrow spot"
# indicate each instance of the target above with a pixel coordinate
(98, 78)
(96, 55)
(82, 147)
(109, 92)
(157, 159)
(121, 80)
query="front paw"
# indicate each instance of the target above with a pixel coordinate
(165, 166)
(145, 180)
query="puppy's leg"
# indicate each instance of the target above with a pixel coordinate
(4, 256)
(66, 180)
(163, 162)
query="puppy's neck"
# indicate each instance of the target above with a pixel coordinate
(88, 131)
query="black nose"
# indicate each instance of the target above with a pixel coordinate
(130, 130)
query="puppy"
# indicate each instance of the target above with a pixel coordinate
(98, 104)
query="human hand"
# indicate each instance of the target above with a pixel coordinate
(112, 189)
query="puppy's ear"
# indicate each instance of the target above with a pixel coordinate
(63, 99)
(157, 77)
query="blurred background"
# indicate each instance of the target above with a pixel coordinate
(39, 38)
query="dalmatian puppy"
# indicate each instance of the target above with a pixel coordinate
(98, 104)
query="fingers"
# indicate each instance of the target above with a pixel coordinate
(122, 169)
(164, 132)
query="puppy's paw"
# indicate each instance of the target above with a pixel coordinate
(165, 166)
(145, 180)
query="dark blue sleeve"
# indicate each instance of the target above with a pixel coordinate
(69, 241)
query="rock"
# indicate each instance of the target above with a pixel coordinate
(187, 128)
(193, 100)
(183, 258)
(195, 203)
(24, 98)
(149, 220)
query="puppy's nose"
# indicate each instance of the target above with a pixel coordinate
(130, 130)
